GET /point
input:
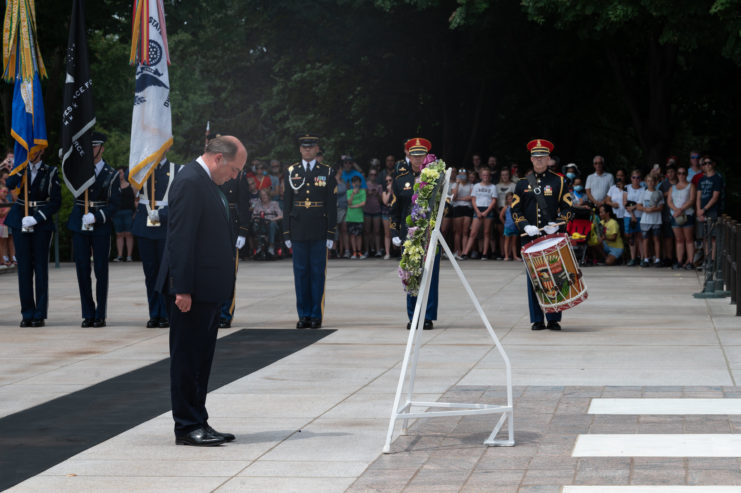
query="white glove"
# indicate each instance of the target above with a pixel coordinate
(288, 243)
(88, 218)
(551, 228)
(396, 241)
(240, 242)
(532, 230)
(330, 244)
(154, 216)
(28, 222)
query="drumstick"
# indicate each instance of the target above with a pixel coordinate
(541, 229)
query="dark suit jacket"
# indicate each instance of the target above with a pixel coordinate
(199, 253)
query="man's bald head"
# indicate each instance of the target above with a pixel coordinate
(225, 157)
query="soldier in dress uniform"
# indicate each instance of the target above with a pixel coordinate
(236, 191)
(310, 201)
(91, 233)
(401, 207)
(32, 235)
(150, 229)
(532, 214)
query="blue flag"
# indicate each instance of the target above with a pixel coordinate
(28, 126)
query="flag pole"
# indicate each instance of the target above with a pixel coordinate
(25, 194)
(153, 200)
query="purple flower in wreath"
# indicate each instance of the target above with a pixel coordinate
(414, 198)
(411, 231)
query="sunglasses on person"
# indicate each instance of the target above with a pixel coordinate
(635, 177)
(681, 172)
(694, 156)
(706, 163)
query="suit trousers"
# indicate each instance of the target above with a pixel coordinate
(536, 313)
(100, 247)
(228, 307)
(192, 344)
(151, 252)
(309, 272)
(431, 309)
(32, 252)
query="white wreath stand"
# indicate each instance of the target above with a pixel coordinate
(404, 411)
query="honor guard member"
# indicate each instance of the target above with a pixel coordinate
(402, 165)
(32, 233)
(310, 201)
(540, 201)
(401, 207)
(91, 232)
(150, 229)
(236, 192)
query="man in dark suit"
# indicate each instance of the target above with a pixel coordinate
(198, 275)
(32, 234)
(91, 231)
(310, 201)
(150, 229)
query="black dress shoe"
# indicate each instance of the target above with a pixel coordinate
(88, 322)
(100, 322)
(225, 324)
(164, 323)
(152, 323)
(427, 325)
(316, 323)
(553, 325)
(303, 323)
(228, 437)
(538, 326)
(26, 322)
(199, 438)
(409, 325)
(37, 322)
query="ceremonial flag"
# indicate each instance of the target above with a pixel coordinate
(151, 121)
(22, 63)
(78, 115)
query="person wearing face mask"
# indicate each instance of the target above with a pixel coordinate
(539, 202)
(401, 207)
(571, 172)
(579, 196)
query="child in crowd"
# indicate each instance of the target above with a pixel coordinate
(580, 195)
(612, 241)
(354, 217)
(651, 203)
(510, 230)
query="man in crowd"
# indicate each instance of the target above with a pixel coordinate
(540, 200)
(150, 229)
(90, 223)
(310, 201)
(694, 167)
(388, 169)
(599, 182)
(32, 231)
(709, 191)
(197, 280)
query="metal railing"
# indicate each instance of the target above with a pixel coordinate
(722, 270)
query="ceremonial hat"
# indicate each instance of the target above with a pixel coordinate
(308, 140)
(98, 139)
(539, 147)
(418, 146)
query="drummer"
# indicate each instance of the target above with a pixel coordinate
(541, 200)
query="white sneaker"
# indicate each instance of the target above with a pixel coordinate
(386, 257)
(271, 250)
(458, 257)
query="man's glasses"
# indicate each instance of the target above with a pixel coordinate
(635, 177)
(706, 163)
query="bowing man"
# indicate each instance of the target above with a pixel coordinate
(197, 273)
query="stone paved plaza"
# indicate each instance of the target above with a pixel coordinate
(315, 421)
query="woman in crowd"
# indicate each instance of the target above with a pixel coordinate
(372, 215)
(680, 200)
(123, 220)
(265, 214)
(631, 221)
(505, 186)
(484, 199)
(386, 195)
(509, 246)
(462, 211)
(4, 230)
(612, 241)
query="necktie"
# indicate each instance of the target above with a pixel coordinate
(224, 202)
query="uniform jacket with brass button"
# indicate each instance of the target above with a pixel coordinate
(525, 208)
(310, 203)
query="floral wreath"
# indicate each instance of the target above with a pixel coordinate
(420, 222)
